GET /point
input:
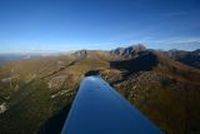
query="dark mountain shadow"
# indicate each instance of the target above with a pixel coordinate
(144, 62)
(55, 124)
(92, 72)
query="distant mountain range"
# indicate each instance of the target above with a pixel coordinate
(191, 58)
(188, 58)
(13, 57)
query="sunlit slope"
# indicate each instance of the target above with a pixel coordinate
(35, 90)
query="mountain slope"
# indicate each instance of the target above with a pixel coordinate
(34, 91)
(167, 91)
(188, 58)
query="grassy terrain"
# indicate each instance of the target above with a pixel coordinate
(37, 90)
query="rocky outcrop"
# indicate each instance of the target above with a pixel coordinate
(128, 51)
(3, 108)
(81, 53)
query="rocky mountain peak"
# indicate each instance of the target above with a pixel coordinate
(129, 51)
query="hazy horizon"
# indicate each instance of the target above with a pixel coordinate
(66, 51)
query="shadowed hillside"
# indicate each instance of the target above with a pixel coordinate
(166, 90)
(144, 62)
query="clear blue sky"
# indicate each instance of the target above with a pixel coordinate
(62, 25)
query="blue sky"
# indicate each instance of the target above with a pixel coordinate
(63, 25)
